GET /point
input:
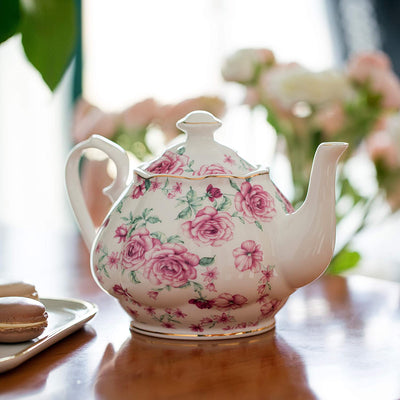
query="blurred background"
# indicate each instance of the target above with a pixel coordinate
(130, 69)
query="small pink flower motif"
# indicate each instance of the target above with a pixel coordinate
(269, 308)
(267, 274)
(223, 318)
(119, 290)
(168, 325)
(153, 294)
(210, 274)
(263, 298)
(155, 184)
(133, 313)
(209, 227)
(98, 248)
(169, 163)
(227, 301)
(120, 233)
(98, 274)
(254, 203)
(213, 193)
(229, 160)
(241, 325)
(261, 289)
(211, 287)
(138, 190)
(135, 249)
(196, 328)
(168, 311)
(171, 195)
(150, 310)
(206, 321)
(213, 169)
(179, 313)
(248, 256)
(202, 303)
(228, 328)
(134, 302)
(113, 260)
(177, 188)
(170, 264)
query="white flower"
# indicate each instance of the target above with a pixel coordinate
(242, 66)
(292, 83)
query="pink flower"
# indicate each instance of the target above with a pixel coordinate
(121, 232)
(267, 274)
(134, 250)
(227, 301)
(210, 274)
(168, 325)
(132, 312)
(210, 227)
(375, 69)
(119, 290)
(179, 314)
(113, 260)
(153, 294)
(270, 308)
(177, 188)
(169, 163)
(202, 303)
(229, 160)
(254, 203)
(211, 287)
(206, 321)
(213, 193)
(196, 328)
(150, 310)
(223, 318)
(248, 256)
(155, 184)
(170, 264)
(138, 190)
(213, 169)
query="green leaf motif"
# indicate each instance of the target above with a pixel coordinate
(162, 237)
(147, 184)
(204, 261)
(175, 239)
(185, 285)
(146, 212)
(225, 204)
(234, 185)
(181, 150)
(185, 213)
(153, 220)
(49, 31)
(134, 277)
(10, 15)
(259, 226)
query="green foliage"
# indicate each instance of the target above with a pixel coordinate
(48, 31)
(343, 261)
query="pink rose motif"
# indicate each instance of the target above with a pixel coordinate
(210, 227)
(213, 169)
(121, 232)
(138, 190)
(227, 301)
(213, 193)
(255, 203)
(169, 163)
(134, 250)
(170, 264)
(248, 256)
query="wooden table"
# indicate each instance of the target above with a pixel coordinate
(338, 338)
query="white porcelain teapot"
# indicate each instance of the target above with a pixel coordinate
(202, 244)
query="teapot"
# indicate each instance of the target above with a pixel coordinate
(201, 244)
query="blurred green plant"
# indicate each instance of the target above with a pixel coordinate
(48, 30)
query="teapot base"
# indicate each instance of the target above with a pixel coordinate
(143, 329)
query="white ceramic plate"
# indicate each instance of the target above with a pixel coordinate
(65, 317)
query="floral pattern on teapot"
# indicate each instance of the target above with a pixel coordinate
(189, 258)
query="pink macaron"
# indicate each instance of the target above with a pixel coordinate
(21, 319)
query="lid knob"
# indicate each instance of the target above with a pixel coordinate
(196, 118)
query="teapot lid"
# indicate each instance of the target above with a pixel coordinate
(199, 156)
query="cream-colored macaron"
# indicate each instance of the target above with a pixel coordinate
(20, 289)
(21, 319)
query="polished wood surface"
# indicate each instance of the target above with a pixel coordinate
(338, 338)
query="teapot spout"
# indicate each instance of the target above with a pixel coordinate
(308, 238)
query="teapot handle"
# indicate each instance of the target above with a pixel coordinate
(73, 183)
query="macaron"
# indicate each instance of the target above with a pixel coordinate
(21, 289)
(21, 319)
